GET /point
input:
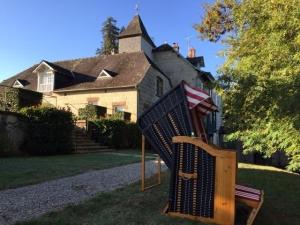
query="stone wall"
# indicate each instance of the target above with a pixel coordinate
(106, 98)
(147, 89)
(10, 128)
(179, 69)
(147, 48)
(175, 67)
(130, 44)
(135, 44)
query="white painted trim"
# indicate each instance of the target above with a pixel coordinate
(131, 87)
(53, 78)
(42, 63)
(18, 84)
(106, 74)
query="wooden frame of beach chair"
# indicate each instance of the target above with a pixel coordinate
(255, 202)
(174, 116)
(225, 177)
(143, 169)
(226, 191)
(251, 197)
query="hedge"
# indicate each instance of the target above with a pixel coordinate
(91, 112)
(121, 116)
(115, 133)
(49, 131)
(13, 99)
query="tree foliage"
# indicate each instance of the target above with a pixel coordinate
(110, 33)
(260, 78)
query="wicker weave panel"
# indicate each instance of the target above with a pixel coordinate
(167, 118)
(192, 196)
(170, 117)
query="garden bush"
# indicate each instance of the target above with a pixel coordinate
(115, 133)
(48, 131)
(91, 112)
(121, 116)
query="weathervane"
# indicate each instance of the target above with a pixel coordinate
(137, 8)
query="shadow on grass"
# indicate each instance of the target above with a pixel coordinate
(282, 194)
(129, 206)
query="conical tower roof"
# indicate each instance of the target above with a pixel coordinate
(136, 28)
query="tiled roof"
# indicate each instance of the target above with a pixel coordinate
(59, 69)
(163, 47)
(196, 60)
(136, 28)
(128, 68)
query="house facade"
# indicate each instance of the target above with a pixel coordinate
(130, 81)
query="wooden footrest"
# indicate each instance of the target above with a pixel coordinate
(251, 197)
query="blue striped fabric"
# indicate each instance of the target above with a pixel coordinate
(170, 117)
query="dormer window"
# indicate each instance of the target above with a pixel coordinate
(18, 84)
(106, 74)
(45, 81)
(45, 77)
(103, 74)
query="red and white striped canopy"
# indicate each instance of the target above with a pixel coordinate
(199, 99)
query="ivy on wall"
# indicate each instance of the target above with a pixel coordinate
(13, 99)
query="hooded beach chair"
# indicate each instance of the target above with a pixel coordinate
(203, 176)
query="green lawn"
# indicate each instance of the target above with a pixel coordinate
(20, 171)
(129, 206)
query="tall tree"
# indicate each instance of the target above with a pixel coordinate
(110, 33)
(260, 78)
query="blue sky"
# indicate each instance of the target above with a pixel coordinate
(54, 30)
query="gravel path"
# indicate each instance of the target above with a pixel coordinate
(34, 200)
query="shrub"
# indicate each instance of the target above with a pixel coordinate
(13, 99)
(91, 112)
(121, 116)
(49, 130)
(115, 133)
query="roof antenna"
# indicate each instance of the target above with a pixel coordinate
(188, 39)
(137, 9)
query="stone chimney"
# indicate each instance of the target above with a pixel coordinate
(192, 53)
(176, 47)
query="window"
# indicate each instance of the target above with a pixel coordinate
(106, 74)
(199, 83)
(159, 87)
(45, 81)
(119, 108)
(17, 84)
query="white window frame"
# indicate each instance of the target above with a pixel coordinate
(119, 108)
(103, 74)
(49, 86)
(18, 84)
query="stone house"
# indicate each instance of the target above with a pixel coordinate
(129, 81)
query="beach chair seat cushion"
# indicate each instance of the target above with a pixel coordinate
(249, 193)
